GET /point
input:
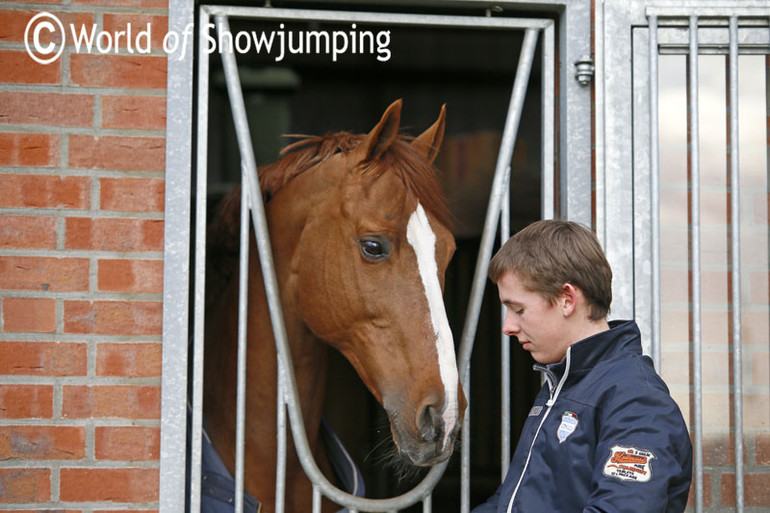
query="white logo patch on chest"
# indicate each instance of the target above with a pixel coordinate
(569, 422)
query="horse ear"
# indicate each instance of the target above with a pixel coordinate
(429, 142)
(383, 134)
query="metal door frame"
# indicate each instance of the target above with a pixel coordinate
(575, 183)
(627, 153)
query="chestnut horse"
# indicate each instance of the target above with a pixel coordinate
(358, 226)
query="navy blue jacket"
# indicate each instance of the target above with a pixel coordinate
(603, 435)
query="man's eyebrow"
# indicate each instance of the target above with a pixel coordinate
(511, 302)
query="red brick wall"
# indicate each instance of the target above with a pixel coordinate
(82, 156)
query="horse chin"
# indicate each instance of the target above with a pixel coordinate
(423, 454)
(426, 456)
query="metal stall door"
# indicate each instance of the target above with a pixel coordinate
(572, 145)
(682, 161)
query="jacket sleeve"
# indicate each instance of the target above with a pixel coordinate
(643, 457)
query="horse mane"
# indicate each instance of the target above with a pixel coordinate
(418, 175)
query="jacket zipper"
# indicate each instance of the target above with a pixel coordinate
(554, 394)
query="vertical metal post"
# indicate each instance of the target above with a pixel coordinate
(735, 208)
(316, 499)
(427, 504)
(505, 348)
(548, 126)
(281, 443)
(654, 192)
(200, 270)
(176, 267)
(243, 300)
(696, 267)
(523, 69)
(465, 452)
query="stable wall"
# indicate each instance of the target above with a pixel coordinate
(82, 145)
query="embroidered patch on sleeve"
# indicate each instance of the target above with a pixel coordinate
(629, 464)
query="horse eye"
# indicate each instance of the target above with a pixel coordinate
(374, 248)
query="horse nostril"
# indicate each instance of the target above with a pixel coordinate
(430, 424)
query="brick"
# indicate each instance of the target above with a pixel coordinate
(43, 442)
(136, 112)
(25, 485)
(158, 27)
(109, 485)
(45, 191)
(760, 370)
(136, 276)
(43, 273)
(19, 68)
(117, 401)
(46, 109)
(43, 359)
(758, 285)
(128, 360)
(117, 153)
(124, 71)
(756, 490)
(15, 23)
(755, 325)
(125, 3)
(719, 449)
(29, 315)
(125, 511)
(762, 441)
(135, 443)
(707, 486)
(113, 317)
(20, 149)
(114, 234)
(132, 194)
(756, 411)
(26, 401)
(27, 232)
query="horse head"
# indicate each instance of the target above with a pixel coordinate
(369, 250)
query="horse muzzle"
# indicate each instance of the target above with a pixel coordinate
(432, 441)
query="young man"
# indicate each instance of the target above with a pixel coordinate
(604, 434)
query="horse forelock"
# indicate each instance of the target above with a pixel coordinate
(417, 174)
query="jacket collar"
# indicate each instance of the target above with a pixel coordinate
(622, 337)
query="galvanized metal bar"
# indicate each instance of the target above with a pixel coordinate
(501, 177)
(316, 499)
(201, 195)
(427, 504)
(495, 199)
(696, 264)
(176, 267)
(735, 239)
(243, 303)
(654, 192)
(281, 444)
(548, 125)
(748, 8)
(575, 107)
(274, 13)
(271, 289)
(465, 451)
(505, 351)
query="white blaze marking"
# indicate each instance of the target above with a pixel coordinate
(422, 239)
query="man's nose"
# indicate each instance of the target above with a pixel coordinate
(510, 327)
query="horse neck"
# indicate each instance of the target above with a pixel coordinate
(309, 354)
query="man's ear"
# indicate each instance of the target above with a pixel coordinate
(569, 298)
